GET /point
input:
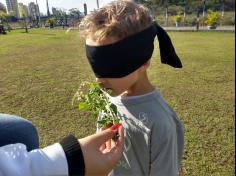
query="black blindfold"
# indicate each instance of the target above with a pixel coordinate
(124, 57)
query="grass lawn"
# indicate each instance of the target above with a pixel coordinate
(41, 71)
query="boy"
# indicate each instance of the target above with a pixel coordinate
(119, 45)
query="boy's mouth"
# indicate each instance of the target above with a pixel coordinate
(108, 89)
(104, 86)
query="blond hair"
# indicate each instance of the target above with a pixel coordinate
(117, 20)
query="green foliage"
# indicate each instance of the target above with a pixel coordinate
(177, 18)
(75, 13)
(229, 18)
(22, 12)
(2, 8)
(51, 21)
(2, 16)
(191, 5)
(190, 20)
(93, 98)
(2, 21)
(174, 10)
(212, 18)
(2, 13)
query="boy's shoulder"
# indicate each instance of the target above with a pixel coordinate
(150, 110)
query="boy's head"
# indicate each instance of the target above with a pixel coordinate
(115, 21)
(120, 42)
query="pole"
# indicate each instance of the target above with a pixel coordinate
(204, 7)
(184, 14)
(98, 4)
(26, 27)
(48, 12)
(39, 18)
(197, 25)
(166, 15)
(222, 13)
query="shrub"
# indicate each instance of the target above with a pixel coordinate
(177, 18)
(229, 18)
(160, 20)
(212, 18)
(51, 22)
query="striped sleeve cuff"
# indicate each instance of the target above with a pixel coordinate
(74, 155)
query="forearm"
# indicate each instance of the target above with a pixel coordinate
(58, 159)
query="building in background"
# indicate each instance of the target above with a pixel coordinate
(3, 8)
(12, 6)
(85, 9)
(26, 9)
(33, 10)
(23, 10)
(48, 12)
(56, 11)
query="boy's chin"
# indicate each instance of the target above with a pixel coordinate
(112, 92)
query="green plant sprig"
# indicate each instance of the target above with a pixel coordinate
(90, 96)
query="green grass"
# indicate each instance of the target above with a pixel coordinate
(41, 71)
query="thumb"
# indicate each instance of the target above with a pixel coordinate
(104, 136)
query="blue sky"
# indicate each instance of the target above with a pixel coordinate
(64, 4)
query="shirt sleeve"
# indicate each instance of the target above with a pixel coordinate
(164, 154)
(60, 159)
(15, 160)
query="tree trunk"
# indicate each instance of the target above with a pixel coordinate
(26, 27)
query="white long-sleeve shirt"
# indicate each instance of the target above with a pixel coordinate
(60, 159)
(16, 161)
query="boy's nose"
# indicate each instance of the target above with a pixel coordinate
(100, 80)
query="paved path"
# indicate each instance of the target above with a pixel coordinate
(190, 29)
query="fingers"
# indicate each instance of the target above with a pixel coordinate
(108, 144)
(120, 141)
(104, 136)
(116, 151)
(103, 146)
(118, 146)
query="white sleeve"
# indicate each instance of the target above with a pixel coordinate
(15, 160)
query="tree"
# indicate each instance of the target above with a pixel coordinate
(2, 14)
(11, 16)
(2, 19)
(22, 11)
(2, 8)
(75, 13)
(51, 22)
(190, 5)
(177, 19)
(230, 4)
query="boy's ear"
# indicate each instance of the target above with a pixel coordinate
(145, 66)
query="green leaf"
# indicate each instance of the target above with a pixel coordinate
(83, 105)
(94, 99)
(102, 122)
(114, 108)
